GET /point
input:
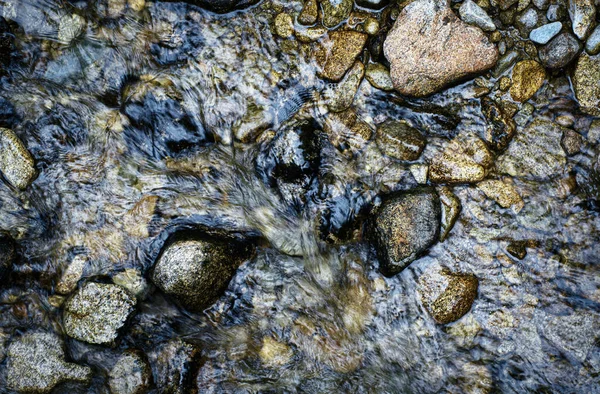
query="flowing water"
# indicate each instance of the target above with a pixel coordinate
(141, 114)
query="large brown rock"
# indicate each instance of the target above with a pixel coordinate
(429, 48)
(336, 53)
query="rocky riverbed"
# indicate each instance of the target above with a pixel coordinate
(241, 196)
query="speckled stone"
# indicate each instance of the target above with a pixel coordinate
(36, 364)
(560, 51)
(572, 142)
(528, 76)
(404, 227)
(336, 53)
(503, 193)
(379, 76)
(197, 272)
(399, 140)
(592, 46)
(444, 50)
(96, 312)
(284, 25)
(586, 83)
(131, 374)
(309, 14)
(534, 153)
(464, 160)
(451, 208)
(335, 11)
(448, 296)
(473, 14)
(340, 97)
(16, 163)
(583, 17)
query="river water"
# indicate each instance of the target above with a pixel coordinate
(153, 108)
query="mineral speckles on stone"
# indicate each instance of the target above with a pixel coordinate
(284, 25)
(131, 374)
(96, 312)
(340, 98)
(534, 153)
(447, 296)
(464, 160)
(545, 33)
(444, 50)
(379, 76)
(451, 208)
(560, 51)
(16, 163)
(528, 77)
(310, 12)
(473, 14)
(336, 53)
(583, 17)
(499, 127)
(399, 140)
(36, 364)
(72, 275)
(404, 227)
(196, 272)
(503, 193)
(586, 83)
(592, 46)
(335, 11)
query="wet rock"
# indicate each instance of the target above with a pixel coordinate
(379, 76)
(8, 253)
(560, 51)
(336, 53)
(132, 280)
(72, 275)
(340, 98)
(275, 354)
(446, 49)
(16, 163)
(335, 11)
(583, 17)
(36, 364)
(138, 218)
(571, 142)
(541, 4)
(404, 227)
(464, 160)
(70, 28)
(221, 6)
(347, 132)
(399, 140)
(292, 157)
(499, 127)
(503, 193)
(371, 26)
(447, 296)
(473, 14)
(309, 14)
(574, 334)
(131, 374)
(6, 41)
(155, 110)
(585, 83)
(592, 46)
(517, 249)
(506, 4)
(451, 208)
(534, 153)
(545, 33)
(96, 312)
(311, 34)
(373, 4)
(528, 76)
(173, 365)
(527, 21)
(284, 25)
(196, 272)
(556, 12)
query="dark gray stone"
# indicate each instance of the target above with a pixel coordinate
(560, 51)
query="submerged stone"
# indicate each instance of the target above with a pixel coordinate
(8, 253)
(340, 97)
(448, 296)
(444, 50)
(528, 77)
(16, 163)
(451, 208)
(535, 153)
(586, 83)
(399, 140)
(464, 160)
(96, 312)
(336, 53)
(220, 6)
(500, 127)
(335, 11)
(404, 227)
(379, 76)
(309, 14)
(131, 374)
(173, 366)
(36, 364)
(503, 193)
(196, 272)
